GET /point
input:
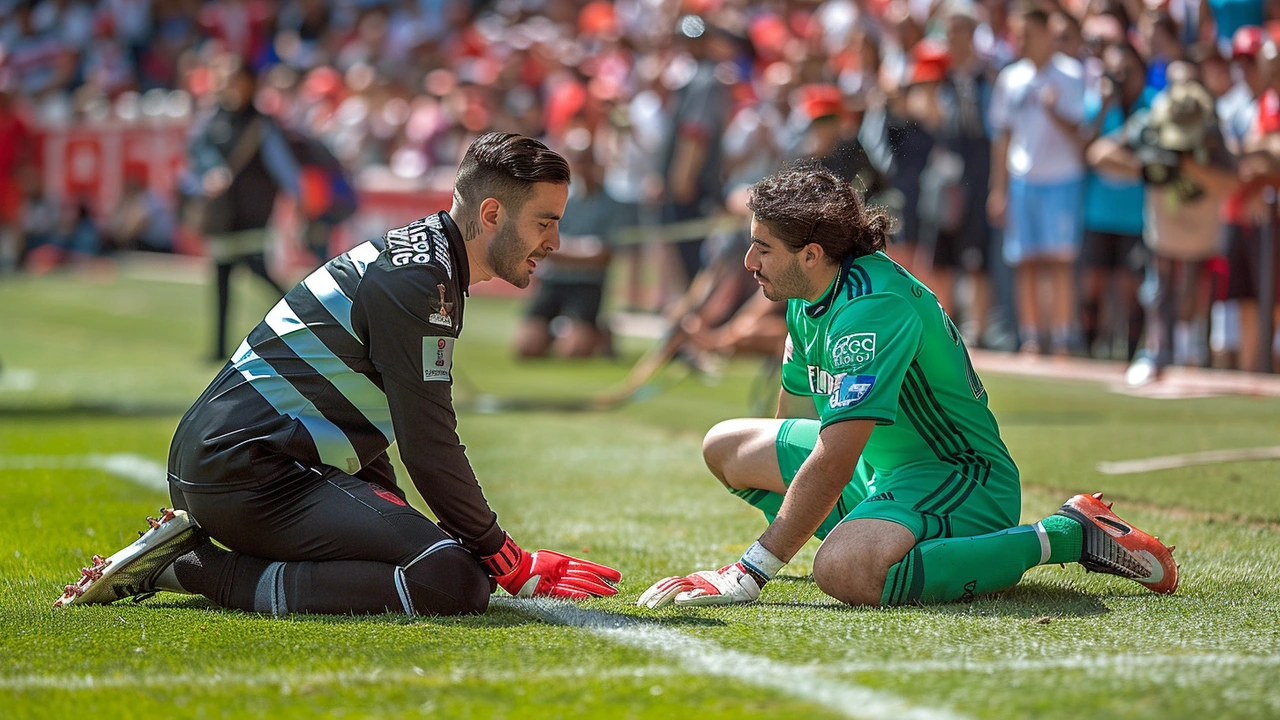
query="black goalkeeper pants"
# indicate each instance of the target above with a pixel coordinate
(322, 541)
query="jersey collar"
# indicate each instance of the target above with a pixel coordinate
(823, 304)
(458, 251)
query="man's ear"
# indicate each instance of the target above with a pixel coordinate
(812, 254)
(490, 213)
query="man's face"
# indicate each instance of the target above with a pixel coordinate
(775, 266)
(528, 235)
(1032, 37)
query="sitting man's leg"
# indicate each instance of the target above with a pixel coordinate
(757, 458)
(958, 540)
(325, 543)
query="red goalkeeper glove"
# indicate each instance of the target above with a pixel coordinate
(546, 573)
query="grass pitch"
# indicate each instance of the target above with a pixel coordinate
(105, 365)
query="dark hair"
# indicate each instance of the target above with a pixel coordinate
(1035, 14)
(504, 166)
(806, 203)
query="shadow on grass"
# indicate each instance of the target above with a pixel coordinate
(1029, 599)
(502, 613)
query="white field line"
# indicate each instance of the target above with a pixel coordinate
(1172, 462)
(1136, 664)
(1131, 665)
(134, 468)
(147, 679)
(700, 657)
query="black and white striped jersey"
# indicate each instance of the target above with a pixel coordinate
(355, 357)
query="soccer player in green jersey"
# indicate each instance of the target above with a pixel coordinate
(883, 445)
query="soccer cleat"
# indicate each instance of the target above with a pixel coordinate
(132, 571)
(1115, 547)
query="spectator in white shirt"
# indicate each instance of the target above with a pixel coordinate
(1037, 176)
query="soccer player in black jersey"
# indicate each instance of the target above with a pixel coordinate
(283, 459)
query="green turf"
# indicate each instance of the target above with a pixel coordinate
(626, 488)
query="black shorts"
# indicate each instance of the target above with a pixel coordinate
(1114, 251)
(968, 248)
(1244, 262)
(576, 301)
(299, 513)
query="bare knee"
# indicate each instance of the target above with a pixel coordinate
(853, 562)
(718, 449)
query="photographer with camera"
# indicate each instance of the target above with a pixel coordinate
(1177, 149)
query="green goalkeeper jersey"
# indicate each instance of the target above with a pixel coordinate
(878, 346)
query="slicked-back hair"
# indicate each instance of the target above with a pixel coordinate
(806, 203)
(504, 166)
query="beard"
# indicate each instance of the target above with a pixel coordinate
(506, 257)
(788, 282)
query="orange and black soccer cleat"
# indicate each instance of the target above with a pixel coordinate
(1115, 547)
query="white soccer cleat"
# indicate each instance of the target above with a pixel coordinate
(133, 570)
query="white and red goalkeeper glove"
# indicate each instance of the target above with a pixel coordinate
(730, 585)
(546, 573)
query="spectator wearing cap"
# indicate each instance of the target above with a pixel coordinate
(1238, 116)
(962, 237)
(1037, 178)
(1113, 251)
(1177, 148)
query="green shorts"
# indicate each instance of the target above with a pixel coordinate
(930, 505)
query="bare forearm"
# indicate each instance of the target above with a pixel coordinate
(816, 488)
(999, 162)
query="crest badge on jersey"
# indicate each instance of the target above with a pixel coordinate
(850, 390)
(444, 316)
(853, 351)
(437, 359)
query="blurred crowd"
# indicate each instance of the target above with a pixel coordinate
(1073, 177)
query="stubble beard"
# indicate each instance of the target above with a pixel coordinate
(789, 282)
(506, 257)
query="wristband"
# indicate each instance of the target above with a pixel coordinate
(761, 563)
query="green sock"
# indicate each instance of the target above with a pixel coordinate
(1066, 539)
(769, 503)
(949, 569)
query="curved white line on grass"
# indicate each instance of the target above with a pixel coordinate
(215, 679)
(134, 468)
(701, 657)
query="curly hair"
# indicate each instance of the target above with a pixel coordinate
(806, 203)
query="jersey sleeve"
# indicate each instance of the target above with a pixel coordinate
(406, 321)
(872, 342)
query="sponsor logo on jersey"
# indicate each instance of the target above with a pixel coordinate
(821, 382)
(850, 390)
(437, 359)
(854, 350)
(443, 317)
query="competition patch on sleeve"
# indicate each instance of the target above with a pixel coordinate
(437, 359)
(849, 390)
(853, 351)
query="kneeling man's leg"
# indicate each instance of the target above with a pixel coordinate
(326, 543)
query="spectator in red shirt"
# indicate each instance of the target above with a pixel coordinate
(15, 144)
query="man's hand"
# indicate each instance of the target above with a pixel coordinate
(546, 573)
(730, 585)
